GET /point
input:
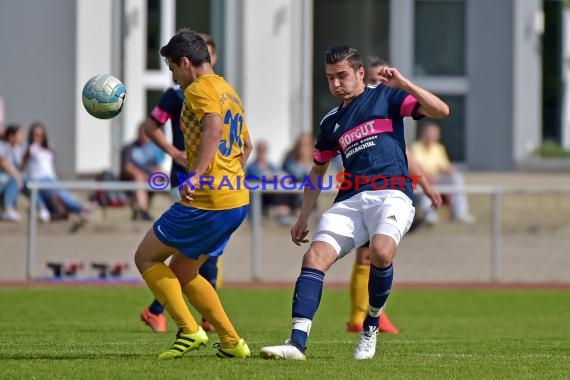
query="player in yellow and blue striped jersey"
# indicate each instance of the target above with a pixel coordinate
(217, 145)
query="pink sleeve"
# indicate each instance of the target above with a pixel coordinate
(160, 115)
(408, 106)
(322, 157)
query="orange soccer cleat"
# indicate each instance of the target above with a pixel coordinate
(207, 326)
(385, 326)
(157, 322)
(350, 328)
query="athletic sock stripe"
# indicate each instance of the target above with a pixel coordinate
(226, 354)
(312, 277)
(382, 272)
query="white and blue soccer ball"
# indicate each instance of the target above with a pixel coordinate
(104, 96)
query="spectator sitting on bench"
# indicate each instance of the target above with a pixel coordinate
(432, 157)
(139, 160)
(277, 205)
(39, 163)
(12, 150)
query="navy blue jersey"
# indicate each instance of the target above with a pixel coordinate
(369, 134)
(169, 107)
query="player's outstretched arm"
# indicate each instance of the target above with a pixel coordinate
(310, 195)
(247, 148)
(415, 171)
(154, 132)
(212, 129)
(430, 104)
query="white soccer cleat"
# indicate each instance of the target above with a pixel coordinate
(366, 347)
(285, 351)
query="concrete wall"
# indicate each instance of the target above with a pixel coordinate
(94, 56)
(269, 78)
(566, 76)
(489, 110)
(527, 69)
(37, 70)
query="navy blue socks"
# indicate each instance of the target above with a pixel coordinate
(379, 286)
(306, 299)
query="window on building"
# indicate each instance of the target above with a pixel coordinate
(152, 98)
(552, 76)
(439, 37)
(153, 35)
(204, 16)
(195, 14)
(363, 24)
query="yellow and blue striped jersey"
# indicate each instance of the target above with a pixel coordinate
(221, 185)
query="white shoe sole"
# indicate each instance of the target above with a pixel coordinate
(268, 354)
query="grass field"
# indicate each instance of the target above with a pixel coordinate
(94, 333)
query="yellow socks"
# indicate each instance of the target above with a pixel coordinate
(166, 288)
(204, 298)
(359, 293)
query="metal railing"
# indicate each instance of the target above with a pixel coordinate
(495, 192)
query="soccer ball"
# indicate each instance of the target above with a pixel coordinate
(104, 96)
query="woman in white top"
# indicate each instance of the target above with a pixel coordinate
(12, 151)
(39, 162)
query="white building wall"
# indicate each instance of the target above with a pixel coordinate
(268, 78)
(527, 81)
(566, 76)
(93, 46)
(134, 68)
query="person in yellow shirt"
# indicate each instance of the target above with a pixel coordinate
(214, 201)
(434, 163)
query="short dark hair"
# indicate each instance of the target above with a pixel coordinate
(189, 44)
(11, 129)
(373, 61)
(344, 53)
(209, 40)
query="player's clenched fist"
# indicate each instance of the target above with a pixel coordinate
(299, 232)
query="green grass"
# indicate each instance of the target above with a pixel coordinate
(94, 333)
(551, 149)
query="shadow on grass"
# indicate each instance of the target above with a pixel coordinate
(72, 356)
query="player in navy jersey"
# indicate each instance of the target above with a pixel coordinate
(361, 268)
(169, 107)
(375, 199)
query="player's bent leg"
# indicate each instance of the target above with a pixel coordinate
(153, 316)
(306, 300)
(359, 296)
(320, 256)
(206, 301)
(185, 269)
(166, 288)
(204, 298)
(382, 252)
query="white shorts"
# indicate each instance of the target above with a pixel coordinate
(352, 222)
